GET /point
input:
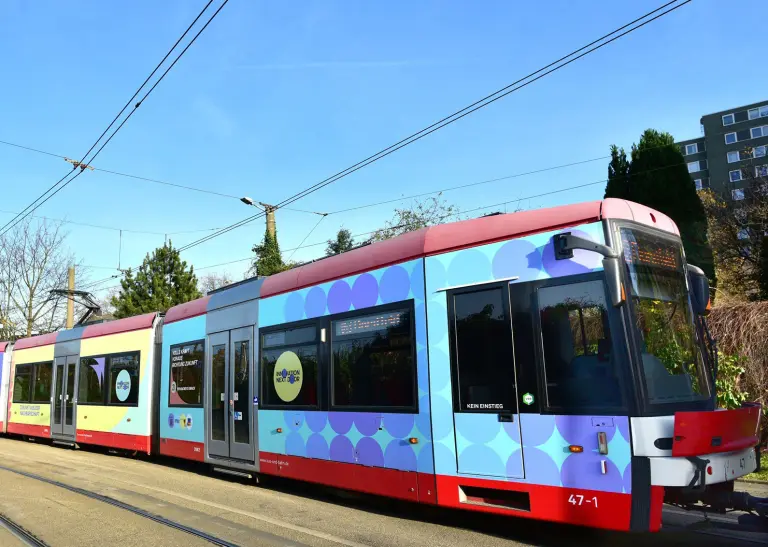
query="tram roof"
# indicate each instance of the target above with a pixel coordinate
(3, 345)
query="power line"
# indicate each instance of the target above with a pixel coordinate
(34, 205)
(485, 101)
(305, 238)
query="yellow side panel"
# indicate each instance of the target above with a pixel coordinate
(33, 355)
(31, 413)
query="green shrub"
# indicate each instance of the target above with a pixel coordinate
(729, 371)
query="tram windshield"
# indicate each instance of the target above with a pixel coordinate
(673, 366)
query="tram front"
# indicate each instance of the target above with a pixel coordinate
(685, 450)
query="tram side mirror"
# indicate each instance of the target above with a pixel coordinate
(700, 294)
(565, 244)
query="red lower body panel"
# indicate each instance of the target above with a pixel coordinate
(657, 504)
(122, 441)
(30, 430)
(187, 450)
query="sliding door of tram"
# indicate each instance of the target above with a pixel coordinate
(63, 399)
(486, 416)
(231, 390)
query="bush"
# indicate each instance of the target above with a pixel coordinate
(729, 372)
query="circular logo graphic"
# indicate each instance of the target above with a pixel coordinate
(170, 420)
(123, 385)
(189, 422)
(173, 387)
(528, 399)
(288, 376)
(183, 421)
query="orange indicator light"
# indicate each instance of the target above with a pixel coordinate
(576, 449)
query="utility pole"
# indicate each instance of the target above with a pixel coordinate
(270, 210)
(71, 298)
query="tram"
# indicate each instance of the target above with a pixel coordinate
(550, 364)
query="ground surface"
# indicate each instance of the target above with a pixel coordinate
(278, 513)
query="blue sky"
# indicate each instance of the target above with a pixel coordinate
(276, 96)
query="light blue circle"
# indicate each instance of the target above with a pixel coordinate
(469, 266)
(394, 285)
(293, 309)
(481, 459)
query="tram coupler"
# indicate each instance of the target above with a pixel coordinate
(716, 498)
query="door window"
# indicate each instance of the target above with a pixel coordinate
(187, 374)
(241, 402)
(43, 382)
(218, 392)
(579, 361)
(483, 355)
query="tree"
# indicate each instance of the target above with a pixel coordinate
(212, 281)
(161, 282)
(421, 214)
(268, 260)
(343, 243)
(33, 261)
(657, 176)
(738, 232)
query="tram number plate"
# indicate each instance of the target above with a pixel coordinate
(578, 499)
(737, 466)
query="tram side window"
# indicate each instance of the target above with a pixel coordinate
(43, 379)
(22, 384)
(124, 380)
(373, 361)
(483, 355)
(579, 362)
(91, 382)
(187, 374)
(289, 367)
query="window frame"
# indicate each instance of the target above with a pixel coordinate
(698, 166)
(11, 397)
(735, 192)
(732, 115)
(696, 149)
(402, 305)
(617, 327)
(103, 384)
(761, 128)
(202, 373)
(758, 168)
(321, 378)
(728, 156)
(33, 383)
(735, 138)
(698, 183)
(108, 373)
(452, 339)
(739, 171)
(762, 147)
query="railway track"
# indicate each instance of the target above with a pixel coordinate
(20, 533)
(33, 541)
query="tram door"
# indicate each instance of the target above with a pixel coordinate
(231, 390)
(486, 415)
(63, 397)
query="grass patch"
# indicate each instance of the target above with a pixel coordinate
(763, 474)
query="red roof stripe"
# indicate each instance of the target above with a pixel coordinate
(187, 310)
(35, 341)
(3, 345)
(129, 324)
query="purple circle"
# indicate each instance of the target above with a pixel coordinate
(339, 297)
(582, 261)
(294, 445)
(367, 424)
(365, 291)
(480, 458)
(399, 455)
(417, 282)
(294, 420)
(314, 305)
(627, 479)
(317, 447)
(293, 309)
(580, 430)
(423, 421)
(316, 421)
(425, 462)
(517, 258)
(623, 425)
(342, 450)
(514, 465)
(584, 471)
(341, 422)
(395, 284)
(540, 468)
(399, 425)
(469, 266)
(369, 452)
(537, 429)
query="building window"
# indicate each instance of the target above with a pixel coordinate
(733, 156)
(698, 184)
(735, 175)
(187, 374)
(743, 234)
(759, 151)
(373, 361)
(759, 112)
(22, 383)
(289, 365)
(694, 166)
(43, 380)
(124, 380)
(483, 355)
(758, 132)
(761, 171)
(737, 194)
(691, 149)
(576, 340)
(729, 119)
(730, 138)
(90, 388)
(740, 214)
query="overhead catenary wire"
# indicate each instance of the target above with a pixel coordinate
(82, 163)
(485, 101)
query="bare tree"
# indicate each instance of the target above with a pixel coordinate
(33, 260)
(212, 281)
(420, 214)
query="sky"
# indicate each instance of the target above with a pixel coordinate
(276, 96)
